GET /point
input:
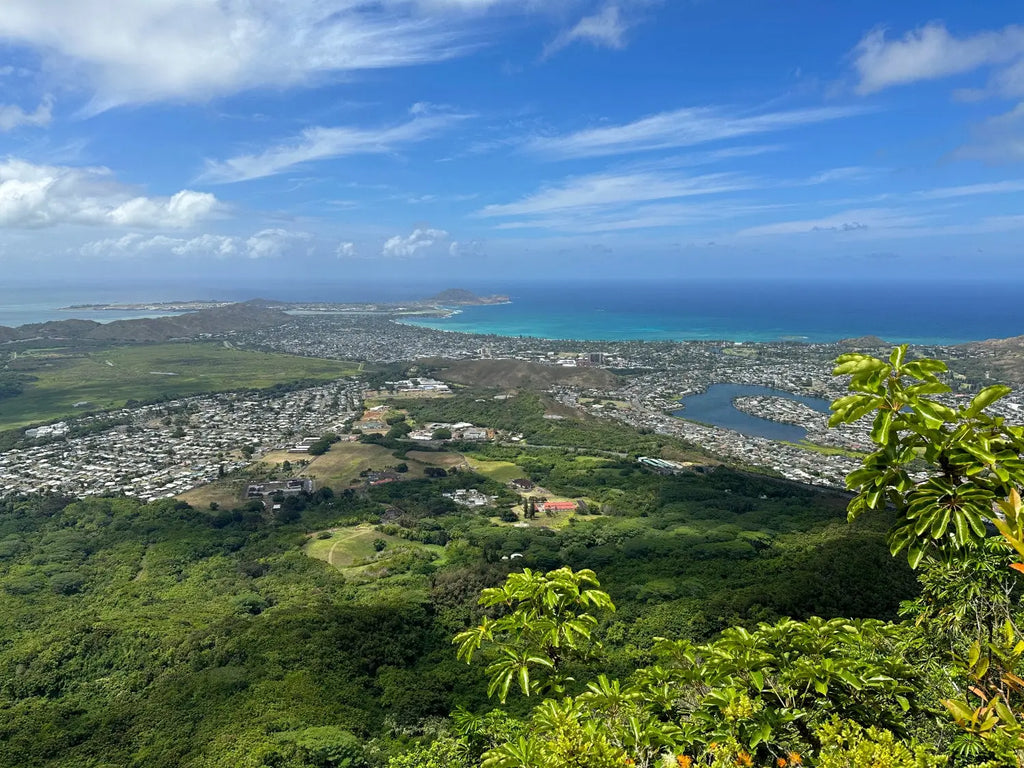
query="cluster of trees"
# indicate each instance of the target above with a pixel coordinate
(942, 688)
(524, 413)
(323, 445)
(12, 384)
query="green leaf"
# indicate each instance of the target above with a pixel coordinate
(897, 355)
(974, 653)
(757, 678)
(960, 711)
(915, 553)
(935, 411)
(962, 534)
(982, 455)
(926, 367)
(927, 388)
(985, 398)
(881, 427)
(860, 364)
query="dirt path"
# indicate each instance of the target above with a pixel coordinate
(342, 540)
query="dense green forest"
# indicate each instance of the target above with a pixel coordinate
(161, 635)
(734, 619)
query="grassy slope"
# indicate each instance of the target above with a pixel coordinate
(350, 546)
(108, 378)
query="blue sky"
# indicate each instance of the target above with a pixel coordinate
(482, 140)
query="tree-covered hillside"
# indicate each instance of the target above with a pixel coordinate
(161, 635)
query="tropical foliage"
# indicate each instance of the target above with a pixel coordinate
(944, 688)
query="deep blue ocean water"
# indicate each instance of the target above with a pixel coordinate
(737, 310)
(751, 311)
(715, 406)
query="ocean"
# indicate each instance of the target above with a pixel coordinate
(761, 311)
(737, 310)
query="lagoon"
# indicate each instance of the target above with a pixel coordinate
(715, 406)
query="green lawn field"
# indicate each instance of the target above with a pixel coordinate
(352, 551)
(108, 378)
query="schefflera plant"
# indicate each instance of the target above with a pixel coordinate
(953, 476)
(943, 469)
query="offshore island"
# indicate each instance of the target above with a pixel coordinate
(441, 304)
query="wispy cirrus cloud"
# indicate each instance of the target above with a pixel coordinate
(127, 51)
(1010, 186)
(606, 190)
(657, 194)
(605, 29)
(685, 127)
(674, 215)
(322, 143)
(930, 53)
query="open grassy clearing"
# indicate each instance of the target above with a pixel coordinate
(226, 494)
(273, 458)
(353, 548)
(826, 450)
(439, 459)
(108, 378)
(500, 471)
(344, 461)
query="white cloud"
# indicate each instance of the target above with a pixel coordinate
(219, 246)
(680, 128)
(471, 249)
(606, 29)
(998, 140)
(420, 239)
(347, 250)
(603, 190)
(46, 196)
(136, 51)
(929, 53)
(13, 116)
(323, 143)
(182, 209)
(268, 243)
(273, 243)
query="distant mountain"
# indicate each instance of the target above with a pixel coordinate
(1004, 358)
(232, 317)
(461, 297)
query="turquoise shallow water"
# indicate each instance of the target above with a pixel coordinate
(750, 311)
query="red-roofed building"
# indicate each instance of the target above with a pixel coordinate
(558, 506)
